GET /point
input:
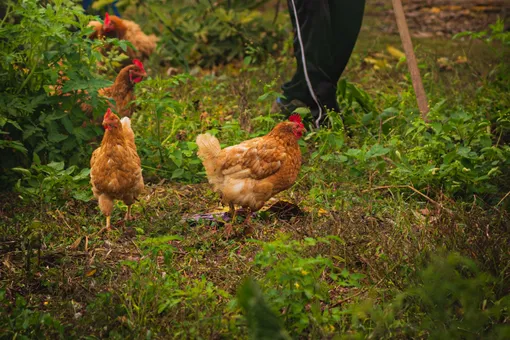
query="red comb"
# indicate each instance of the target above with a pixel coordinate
(108, 113)
(139, 64)
(295, 118)
(107, 19)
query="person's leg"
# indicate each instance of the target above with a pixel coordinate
(326, 31)
(346, 19)
(312, 27)
(115, 9)
(86, 4)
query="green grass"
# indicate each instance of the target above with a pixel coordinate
(350, 265)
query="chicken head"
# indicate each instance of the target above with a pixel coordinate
(137, 73)
(110, 120)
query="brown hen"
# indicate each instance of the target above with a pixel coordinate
(115, 168)
(122, 29)
(250, 173)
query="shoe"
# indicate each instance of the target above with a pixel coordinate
(285, 106)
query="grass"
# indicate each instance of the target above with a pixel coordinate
(162, 276)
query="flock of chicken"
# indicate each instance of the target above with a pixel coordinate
(247, 174)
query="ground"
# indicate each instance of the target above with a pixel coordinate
(119, 283)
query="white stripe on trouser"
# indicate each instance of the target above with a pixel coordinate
(303, 60)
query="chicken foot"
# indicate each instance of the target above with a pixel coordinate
(247, 225)
(107, 228)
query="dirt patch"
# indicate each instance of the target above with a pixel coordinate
(438, 18)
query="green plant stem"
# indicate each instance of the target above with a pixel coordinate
(158, 132)
(7, 12)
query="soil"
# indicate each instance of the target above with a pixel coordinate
(440, 18)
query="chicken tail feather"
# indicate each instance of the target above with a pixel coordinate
(208, 150)
(208, 146)
(126, 128)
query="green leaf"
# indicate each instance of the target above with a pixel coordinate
(23, 171)
(57, 137)
(438, 127)
(377, 150)
(177, 173)
(263, 323)
(302, 110)
(84, 174)
(247, 61)
(57, 166)
(35, 159)
(83, 196)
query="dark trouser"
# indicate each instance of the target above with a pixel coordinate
(329, 29)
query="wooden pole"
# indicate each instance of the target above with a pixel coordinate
(421, 97)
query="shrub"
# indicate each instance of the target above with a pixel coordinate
(451, 299)
(209, 32)
(40, 43)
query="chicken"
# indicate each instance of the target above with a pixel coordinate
(115, 27)
(98, 29)
(115, 168)
(122, 90)
(250, 173)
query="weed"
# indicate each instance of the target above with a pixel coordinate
(52, 183)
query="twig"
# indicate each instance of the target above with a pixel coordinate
(338, 303)
(63, 219)
(107, 254)
(99, 232)
(136, 246)
(508, 193)
(277, 10)
(413, 189)
(412, 64)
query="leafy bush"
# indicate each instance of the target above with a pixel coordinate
(452, 299)
(293, 281)
(52, 182)
(208, 33)
(458, 151)
(18, 320)
(153, 292)
(41, 43)
(263, 323)
(455, 152)
(166, 144)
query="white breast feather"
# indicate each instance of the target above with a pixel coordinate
(238, 187)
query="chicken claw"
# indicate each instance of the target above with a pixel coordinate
(107, 228)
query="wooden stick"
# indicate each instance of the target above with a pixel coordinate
(421, 97)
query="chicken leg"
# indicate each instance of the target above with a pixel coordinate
(228, 226)
(248, 227)
(128, 216)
